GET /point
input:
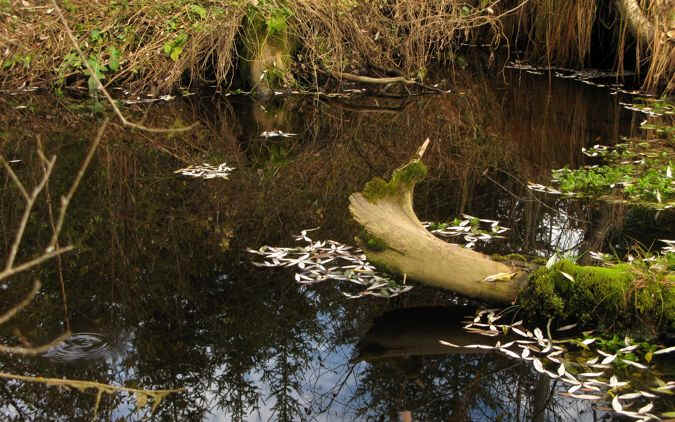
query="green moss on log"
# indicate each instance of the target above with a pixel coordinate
(370, 242)
(617, 297)
(403, 178)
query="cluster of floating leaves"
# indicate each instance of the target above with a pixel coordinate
(608, 259)
(471, 229)
(620, 154)
(652, 107)
(330, 260)
(206, 171)
(547, 189)
(588, 380)
(591, 77)
(148, 97)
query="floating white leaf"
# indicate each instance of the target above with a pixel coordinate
(616, 404)
(566, 275)
(566, 327)
(500, 277)
(646, 408)
(663, 351)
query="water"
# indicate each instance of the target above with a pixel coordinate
(161, 293)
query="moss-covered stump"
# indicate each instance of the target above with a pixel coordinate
(617, 297)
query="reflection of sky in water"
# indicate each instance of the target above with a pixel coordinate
(559, 234)
(328, 372)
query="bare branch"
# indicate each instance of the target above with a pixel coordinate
(35, 261)
(9, 314)
(100, 86)
(80, 384)
(15, 179)
(30, 201)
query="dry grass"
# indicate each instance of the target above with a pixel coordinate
(558, 31)
(378, 38)
(400, 37)
(35, 50)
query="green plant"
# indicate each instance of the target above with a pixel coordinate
(633, 171)
(198, 10)
(98, 69)
(174, 47)
(114, 61)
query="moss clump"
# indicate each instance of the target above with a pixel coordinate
(372, 243)
(403, 178)
(617, 297)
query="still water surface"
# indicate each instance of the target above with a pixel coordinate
(161, 293)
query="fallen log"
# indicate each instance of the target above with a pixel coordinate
(396, 241)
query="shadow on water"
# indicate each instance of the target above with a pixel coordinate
(161, 291)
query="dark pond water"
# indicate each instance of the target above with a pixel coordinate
(161, 293)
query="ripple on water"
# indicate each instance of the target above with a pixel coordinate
(80, 346)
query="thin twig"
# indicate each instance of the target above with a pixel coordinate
(32, 351)
(14, 178)
(30, 201)
(59, 261)
(80, 384)
(28, 299)
(100, 86)
(35, 261)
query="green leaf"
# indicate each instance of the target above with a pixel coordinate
(114, 62)
(197, 9)
(175, 52)
(95, 35)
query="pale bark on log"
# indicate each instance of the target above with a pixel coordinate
(412, 251)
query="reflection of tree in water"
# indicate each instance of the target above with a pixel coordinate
(458, 388)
